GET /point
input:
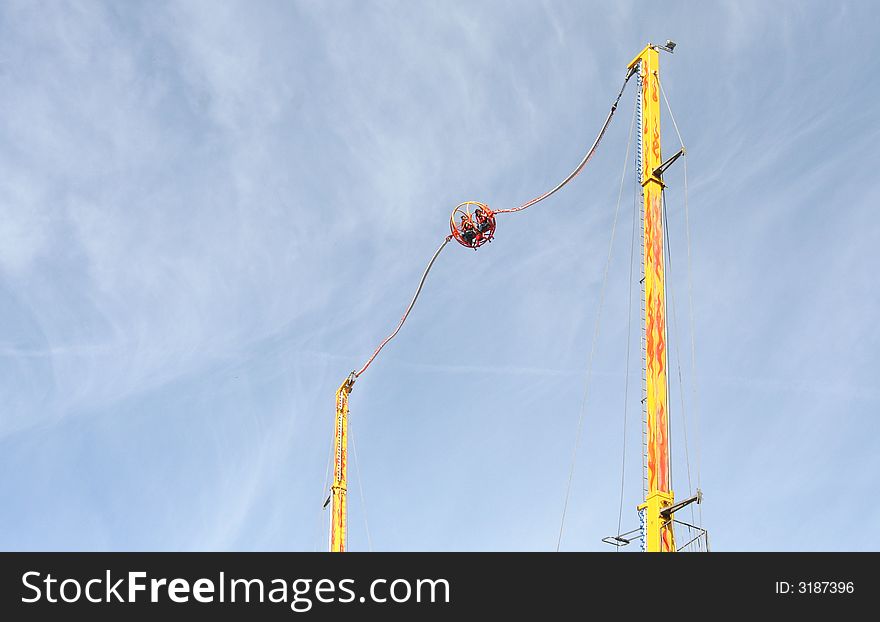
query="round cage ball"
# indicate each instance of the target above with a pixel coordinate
(472, 224)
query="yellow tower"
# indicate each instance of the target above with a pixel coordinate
(339, 511)
(657, 524)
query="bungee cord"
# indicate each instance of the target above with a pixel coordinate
(473, 229)
(583, 162)
(412, 303)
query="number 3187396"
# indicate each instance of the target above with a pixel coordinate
(825, 587)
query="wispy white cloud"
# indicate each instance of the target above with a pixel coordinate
(209, 214)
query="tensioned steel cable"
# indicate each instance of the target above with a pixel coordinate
(687, 226)
(671, 297)
(589, 374)
(629, 308)
(324, 489)
(357, 469)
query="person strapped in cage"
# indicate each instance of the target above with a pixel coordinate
(468, 231)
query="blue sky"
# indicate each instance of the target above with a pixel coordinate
(211, 212)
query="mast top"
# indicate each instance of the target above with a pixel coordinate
(669, 46)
